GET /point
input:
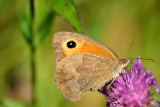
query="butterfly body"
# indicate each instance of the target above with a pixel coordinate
(83, 64)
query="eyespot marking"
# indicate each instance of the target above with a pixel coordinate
(71, 44)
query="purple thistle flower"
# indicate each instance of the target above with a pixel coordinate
(136, 93)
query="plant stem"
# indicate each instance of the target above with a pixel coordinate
(33, 75)
(32, 49)
(32, 8)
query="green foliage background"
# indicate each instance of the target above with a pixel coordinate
(26, 40)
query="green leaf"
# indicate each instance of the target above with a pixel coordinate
(26, 29)
(44, 19)
(26, 24)
(67, 10)
(44, 29)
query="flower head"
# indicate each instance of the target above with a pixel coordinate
(133, 88)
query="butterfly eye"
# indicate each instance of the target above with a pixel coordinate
(71, 44)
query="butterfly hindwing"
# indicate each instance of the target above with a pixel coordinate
(80, 73)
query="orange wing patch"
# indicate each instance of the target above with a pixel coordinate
(84, 46)
(93, 48)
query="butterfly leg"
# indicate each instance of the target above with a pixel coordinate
(127, 83)
(110, 85)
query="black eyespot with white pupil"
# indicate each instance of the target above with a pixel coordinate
(71, 44)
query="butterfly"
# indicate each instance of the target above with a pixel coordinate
(83, 64)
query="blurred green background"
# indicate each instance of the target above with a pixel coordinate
(27, 57)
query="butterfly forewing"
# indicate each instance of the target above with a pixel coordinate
(84, 44)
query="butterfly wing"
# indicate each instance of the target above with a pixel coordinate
(80, 73)
(84, 44)
(86, 67)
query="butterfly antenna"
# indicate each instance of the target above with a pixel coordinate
(139, 58)
(145, 59)
(131, 47)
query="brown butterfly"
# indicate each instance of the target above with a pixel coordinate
(83, 64)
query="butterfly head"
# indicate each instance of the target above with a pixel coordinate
(124, 62)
